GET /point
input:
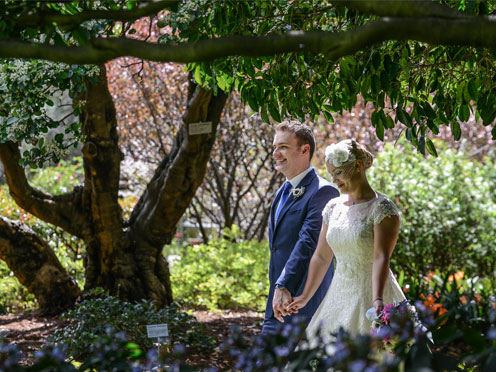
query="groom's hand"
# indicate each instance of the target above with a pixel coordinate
(282, 297)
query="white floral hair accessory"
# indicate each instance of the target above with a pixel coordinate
(339, 154)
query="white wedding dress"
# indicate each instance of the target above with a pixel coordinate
(350, 235)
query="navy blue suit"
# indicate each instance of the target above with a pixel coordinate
(292, 240)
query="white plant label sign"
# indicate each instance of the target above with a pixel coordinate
(202, 127)
(157, 330)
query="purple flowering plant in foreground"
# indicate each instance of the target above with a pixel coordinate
(289, 350)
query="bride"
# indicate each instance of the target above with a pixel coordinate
(360, 229)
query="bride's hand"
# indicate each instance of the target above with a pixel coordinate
(298, 303)
(379, 305)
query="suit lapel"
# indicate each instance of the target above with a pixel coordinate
(307, 180)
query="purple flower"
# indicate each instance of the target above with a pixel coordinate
(357, 366)
(491, 334)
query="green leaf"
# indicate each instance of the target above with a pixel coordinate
(379, 130)
(374, 119)
(197, 75)
(364, 90)
(252, 100)
(493, 132)
(421, 145)
(408, 134)
(464, 113)
(274, 111)
(430, 147)
(328, 116)
(404, 117)
(59, 137)
(456, 130)
(263, 113)
(344, 68)
(429, 111)
(389, 124)
(222, 83)
(472, 90)
(431, 124)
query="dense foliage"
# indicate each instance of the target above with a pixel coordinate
(222, 274)
(98, 316)
(424, 87)
(30, 89)
(448, 210)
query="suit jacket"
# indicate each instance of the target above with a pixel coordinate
(293, 239)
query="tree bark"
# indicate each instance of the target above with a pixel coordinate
(36, 267)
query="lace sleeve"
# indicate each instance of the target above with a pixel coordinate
(382, 209)
(326, 213)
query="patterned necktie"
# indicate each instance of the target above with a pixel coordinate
(284, 197)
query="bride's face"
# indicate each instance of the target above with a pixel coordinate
(342, 177)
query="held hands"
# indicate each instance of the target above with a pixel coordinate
(282, 298)
(298, 303)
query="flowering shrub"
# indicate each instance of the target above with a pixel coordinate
(464, 309)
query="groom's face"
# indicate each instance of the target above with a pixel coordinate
(291, 159)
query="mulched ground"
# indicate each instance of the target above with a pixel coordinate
(29, 331)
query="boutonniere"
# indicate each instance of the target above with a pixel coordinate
(297, 192)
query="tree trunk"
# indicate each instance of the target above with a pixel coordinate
(126, 258)
(36, 267)
(123, 257)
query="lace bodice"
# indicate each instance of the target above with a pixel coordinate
(350, 231)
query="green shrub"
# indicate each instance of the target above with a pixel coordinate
(97, 317)
(448, 210)
(223, 275)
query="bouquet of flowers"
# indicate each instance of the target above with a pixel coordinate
(396, 326)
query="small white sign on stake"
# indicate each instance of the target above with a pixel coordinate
(158, 331)
(202, 127)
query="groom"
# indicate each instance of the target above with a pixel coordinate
(295, 222)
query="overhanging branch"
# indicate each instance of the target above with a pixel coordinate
(65, 20)
(477, 31)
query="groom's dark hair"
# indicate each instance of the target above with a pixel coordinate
(302, 132)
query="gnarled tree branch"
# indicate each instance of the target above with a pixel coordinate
(36, 267)
(180, 173)
(60, 210)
